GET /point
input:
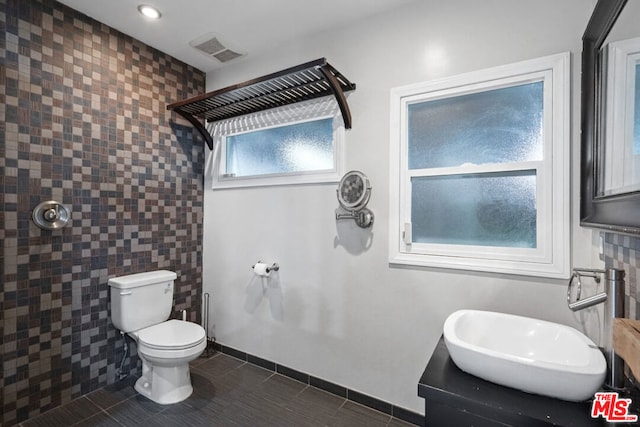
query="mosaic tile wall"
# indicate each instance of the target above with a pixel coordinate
(622, 251)
(83, 120)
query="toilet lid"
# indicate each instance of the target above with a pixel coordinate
(172, 334)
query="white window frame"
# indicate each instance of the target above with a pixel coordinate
(551, 257)
(277, 117)
(620, 162)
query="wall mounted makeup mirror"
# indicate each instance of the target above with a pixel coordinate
(610, 118)
(353, 194)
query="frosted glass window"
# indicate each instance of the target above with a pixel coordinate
(295, 148)
(479, 170)
(497, 209)
(495, 126)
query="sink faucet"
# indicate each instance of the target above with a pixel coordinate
(613, 295)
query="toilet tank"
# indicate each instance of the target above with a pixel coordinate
(141, 300)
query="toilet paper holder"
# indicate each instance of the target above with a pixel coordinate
(273, 267)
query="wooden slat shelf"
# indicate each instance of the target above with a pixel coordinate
(307, 81)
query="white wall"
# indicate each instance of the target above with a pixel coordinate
(350, 317)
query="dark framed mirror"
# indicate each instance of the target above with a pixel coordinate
(616, 208)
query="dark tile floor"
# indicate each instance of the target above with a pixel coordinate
(227, 392)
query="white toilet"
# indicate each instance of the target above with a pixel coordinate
(140, 306)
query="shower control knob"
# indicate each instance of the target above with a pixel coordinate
(50, 215)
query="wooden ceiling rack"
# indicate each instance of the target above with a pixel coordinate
(311, 80)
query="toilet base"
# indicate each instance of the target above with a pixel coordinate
(165, 384)
(165, 372)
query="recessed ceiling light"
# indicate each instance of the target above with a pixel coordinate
(149, 11)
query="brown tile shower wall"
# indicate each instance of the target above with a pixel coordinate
(83, 120)
(623, 251)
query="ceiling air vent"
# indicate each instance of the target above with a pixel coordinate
(227, 55)
(214, 46)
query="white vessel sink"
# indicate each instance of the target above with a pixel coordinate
(527, 354)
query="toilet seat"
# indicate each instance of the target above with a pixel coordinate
(171, 335)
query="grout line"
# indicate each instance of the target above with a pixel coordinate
(269, 377)
(95, 415)
(302, 391)
(344, 402)
(111, 417)
(114, 405)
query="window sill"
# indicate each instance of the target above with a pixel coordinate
(521, 268)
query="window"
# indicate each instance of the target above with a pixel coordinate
(480, 170)
(301, 143)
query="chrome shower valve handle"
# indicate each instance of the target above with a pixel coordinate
(51, 215)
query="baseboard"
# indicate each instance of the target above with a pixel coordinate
(363, 399)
